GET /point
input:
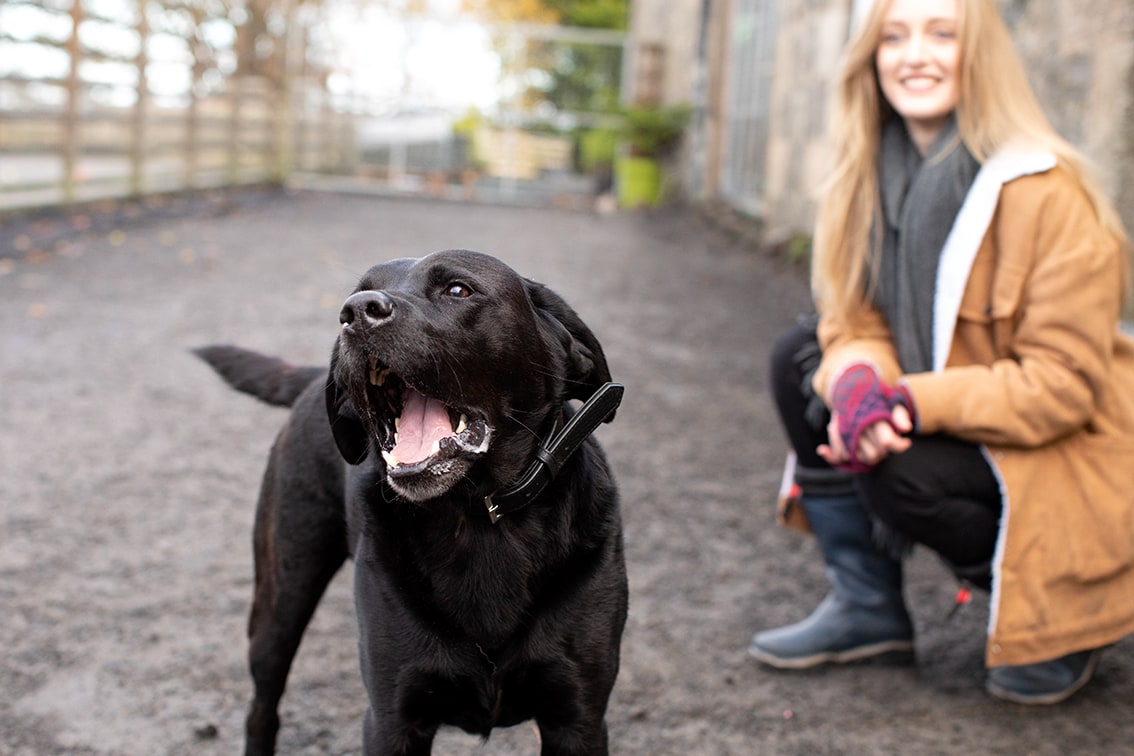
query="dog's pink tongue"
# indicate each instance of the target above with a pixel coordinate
(424, 421)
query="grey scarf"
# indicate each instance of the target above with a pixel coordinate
(920, 200)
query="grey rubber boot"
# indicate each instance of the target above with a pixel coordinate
(865, 614)
(1047, 682)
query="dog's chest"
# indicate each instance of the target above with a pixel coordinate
(475, 585)
(455, 642)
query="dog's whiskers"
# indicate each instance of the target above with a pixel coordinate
(516, 419)
(452, 363)
(445, 360)
(542, 370)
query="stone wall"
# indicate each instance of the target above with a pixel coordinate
(810, 41)
(1080, 56)
(1081, 61)
(674, 26)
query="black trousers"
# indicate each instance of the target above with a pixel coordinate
(941, 492)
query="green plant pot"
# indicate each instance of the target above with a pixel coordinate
(638, 181)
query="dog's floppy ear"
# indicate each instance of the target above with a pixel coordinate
(586, 363)
(346, 427)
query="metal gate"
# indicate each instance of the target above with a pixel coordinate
(754, 28)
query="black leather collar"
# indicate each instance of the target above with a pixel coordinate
(551, 454)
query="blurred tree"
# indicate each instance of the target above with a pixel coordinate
(256, 42)
(587, 77)
(592, 14)
(262, 30)
(513, 11)
(564, 76)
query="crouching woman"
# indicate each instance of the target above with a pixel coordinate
(977, 392)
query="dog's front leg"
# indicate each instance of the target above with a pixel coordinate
(381, 739)
(571, 713)
(577, 739)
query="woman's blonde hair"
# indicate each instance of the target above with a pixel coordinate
(995, 106)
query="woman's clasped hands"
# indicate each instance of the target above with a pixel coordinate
(870, 419)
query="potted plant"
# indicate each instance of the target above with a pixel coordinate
(650, 133)
(597, 150)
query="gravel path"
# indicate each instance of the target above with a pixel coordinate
(128, 475)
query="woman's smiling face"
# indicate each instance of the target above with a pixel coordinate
(917, 59)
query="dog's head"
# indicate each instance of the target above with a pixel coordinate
(452, 360)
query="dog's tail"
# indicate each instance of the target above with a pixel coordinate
(269, 379)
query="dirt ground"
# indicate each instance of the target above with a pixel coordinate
(128, 475)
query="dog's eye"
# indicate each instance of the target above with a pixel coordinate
(458, 291)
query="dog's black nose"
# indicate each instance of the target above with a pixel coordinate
(366, 307)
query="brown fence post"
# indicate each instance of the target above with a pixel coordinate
(193, 113)
(141, 104)
(284, 132)
(70, 152)
(234, 98)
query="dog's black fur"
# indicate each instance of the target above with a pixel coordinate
(462, 622)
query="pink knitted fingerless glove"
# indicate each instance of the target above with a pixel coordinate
(861, 398)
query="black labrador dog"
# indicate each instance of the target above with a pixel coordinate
(443, 453)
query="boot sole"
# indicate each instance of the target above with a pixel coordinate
(859, 653)
(1046, 699)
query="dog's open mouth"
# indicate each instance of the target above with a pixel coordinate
(420, 434)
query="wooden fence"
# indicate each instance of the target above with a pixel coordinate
(121, 98)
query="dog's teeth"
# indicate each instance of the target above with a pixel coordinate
(435, 449)
(378, 377)
(391, 460)
(397, 424)
(462, 425)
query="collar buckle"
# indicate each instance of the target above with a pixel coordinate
(551, 455)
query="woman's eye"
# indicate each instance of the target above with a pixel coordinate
(891, 37)
(458, 291)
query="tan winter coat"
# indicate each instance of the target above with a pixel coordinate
(1030, 363)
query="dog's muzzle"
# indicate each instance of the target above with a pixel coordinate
(426, 443)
